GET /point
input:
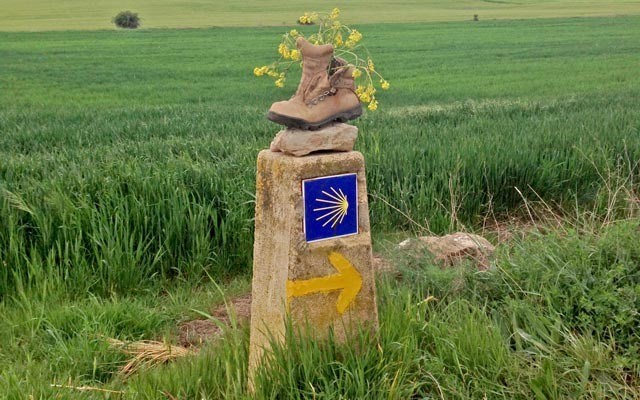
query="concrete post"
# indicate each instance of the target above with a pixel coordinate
(312, 250)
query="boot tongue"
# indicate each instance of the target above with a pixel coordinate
(316, 60)
(313, 50)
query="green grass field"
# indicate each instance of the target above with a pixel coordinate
(127, 167)
(42, 15)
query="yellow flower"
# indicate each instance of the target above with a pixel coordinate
(259, 71)
(284, 51)
(272, 73)
(279, 82)
(373, 105)
(355, 36)
(356, 73)
(338, 40)
(370, 65)
(335, 13)
(303, 19)
(363, 94)
(294, 33)
(295, 55)
(384, 84)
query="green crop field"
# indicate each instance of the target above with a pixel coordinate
(127, 168)
(42, 15)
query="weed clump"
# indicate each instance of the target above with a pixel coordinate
(126, 20)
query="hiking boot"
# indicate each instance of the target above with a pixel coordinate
(326, 92)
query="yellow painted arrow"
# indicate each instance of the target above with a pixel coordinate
(348, 279)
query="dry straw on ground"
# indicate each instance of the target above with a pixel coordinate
(85, 389)
(193, 335)
(148, 354)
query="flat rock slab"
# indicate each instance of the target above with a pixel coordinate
(298, 142)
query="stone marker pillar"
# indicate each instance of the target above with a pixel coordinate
(312, 250)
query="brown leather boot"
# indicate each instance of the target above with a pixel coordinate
(324, 94)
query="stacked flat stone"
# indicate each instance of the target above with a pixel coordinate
(298, 142)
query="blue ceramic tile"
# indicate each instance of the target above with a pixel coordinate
(330, 207)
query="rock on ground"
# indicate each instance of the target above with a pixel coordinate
(450, 250)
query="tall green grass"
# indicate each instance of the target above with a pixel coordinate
(128, 157)
(525, 329)
(126, 219)
(512, 332)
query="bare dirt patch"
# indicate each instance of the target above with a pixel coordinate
(199, 331)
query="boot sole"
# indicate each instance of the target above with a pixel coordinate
(291, 122)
